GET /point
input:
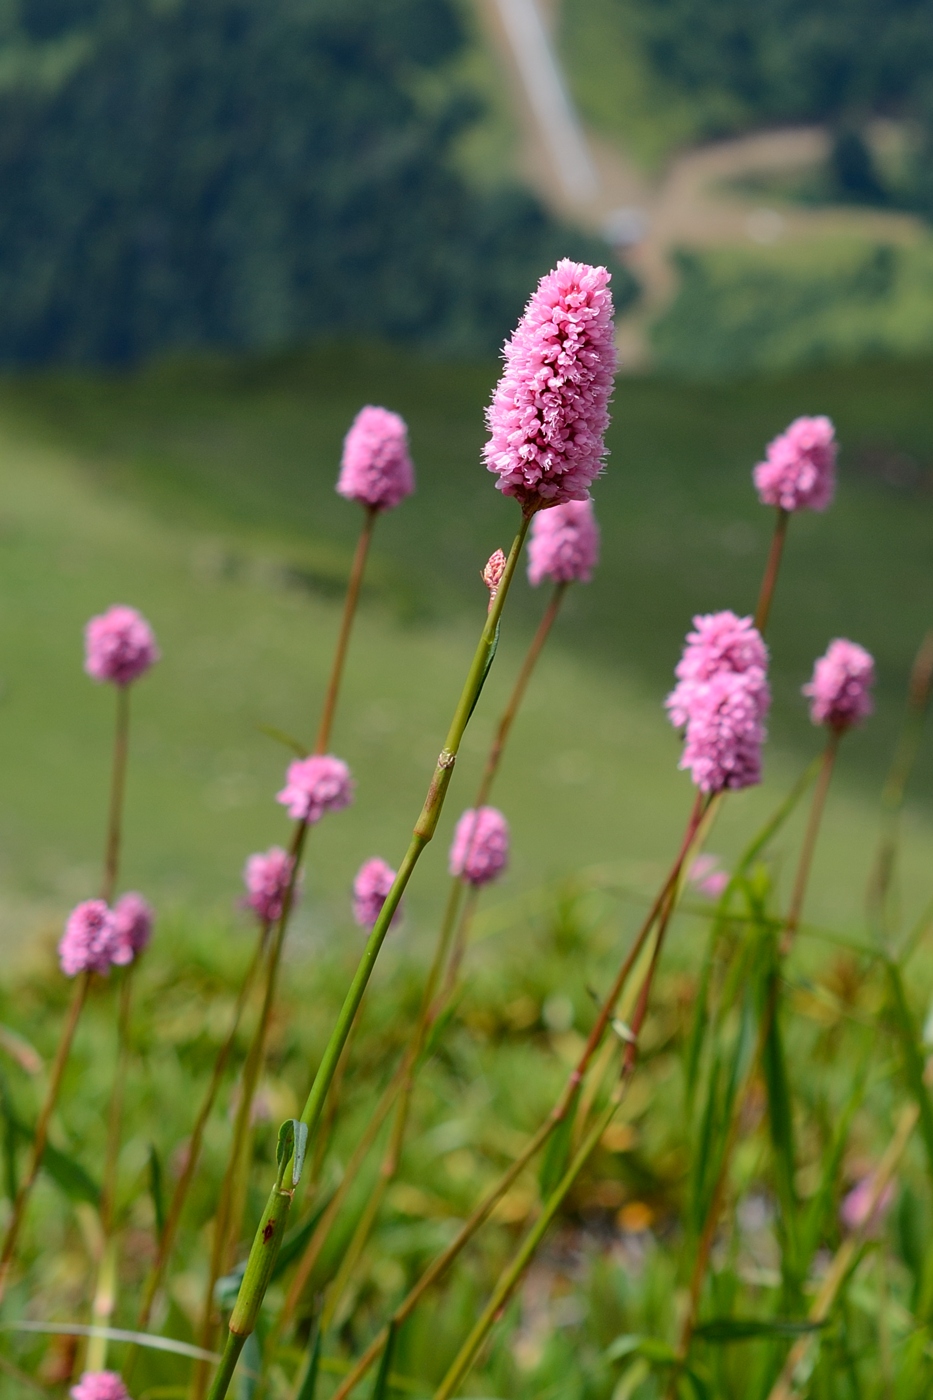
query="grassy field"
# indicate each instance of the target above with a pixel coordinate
(203, 493)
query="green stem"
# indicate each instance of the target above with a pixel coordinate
(40, 1138)
(354, 585)
(117, 790)
(772, 569)
(255, 1280)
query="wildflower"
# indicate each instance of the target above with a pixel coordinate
(132, 919)
(100, 1385)
(840, 691)
(706, 877)
(376, 469)
(89, 940)
(550, 409)
(854, 1209)
(266, 878)
(480, 848)
(564, 544)
(799, 472)
(492, 574)
(119, 646)
(314, 786)
(721, 700)
(373, 881)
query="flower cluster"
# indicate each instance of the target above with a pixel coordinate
(266, 876)
(480, 848)
(376, 469)
(97, 937)
(100, 1385)
(374, 880)
(840, 691)
(721, 700)
(315, 786)
(564, 544)
(799, 471)
(550, 410)
(119, 646)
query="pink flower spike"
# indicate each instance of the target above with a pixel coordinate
(373, 881)
(376, 469)
(266, 878)
(119, 646)
(133, 919)
(480, 848)
(314, 786)
(725, 729)
(799, 471)
(550, 409)
(89, 941)
(854, 1209)
(706, 877)
(100, 1385)
(840, 691)
(564, 544)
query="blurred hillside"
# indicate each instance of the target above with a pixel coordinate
(253, 174)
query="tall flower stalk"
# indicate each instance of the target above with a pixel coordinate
(547, 421)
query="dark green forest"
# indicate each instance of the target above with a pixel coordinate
(249, 174)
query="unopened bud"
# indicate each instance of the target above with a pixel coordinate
(492, 574)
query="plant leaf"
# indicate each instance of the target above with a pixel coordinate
(381, 1387)
(309, 1380)
(723, 1330)
(155, 1189)
(281, 737)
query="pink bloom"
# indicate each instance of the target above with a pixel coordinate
(376, 469)
(854, 1209)
(133, 919)
(564, 544)
(480, 848)
(706, 877)
(373, 881)
(100, 1385)
(266, 878)
(89, 941)
(492, 574)
(550, 410)
(725, 730)
(721, 642)
(799, 471)
(119, 646)
(840, 691)
(314, 786)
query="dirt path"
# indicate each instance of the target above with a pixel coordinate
(689, 204)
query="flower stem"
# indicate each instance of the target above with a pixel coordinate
(702, 809)
(772, 568)
(354, 585)
(258, 1269)
(788, 933)
(117, 789)
(79, 997)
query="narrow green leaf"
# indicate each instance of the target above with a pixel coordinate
(781, 1129)
(557, 1152)
(311, 1365)
(291, 1145)
(11, 1182)
(382, 1383)
(67, 1173)
(651, 1348)
(155, 1189)
(281, 737)
(913, 1060)
(723, 1330)
(490, 658)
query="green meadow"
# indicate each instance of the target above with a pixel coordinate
(202, 493)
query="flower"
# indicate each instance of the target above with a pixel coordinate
(550, 409)
(314, 786)
(376, 469)
(492, 574)
(854, 1209)
(373, 881)
(564, 544)
(100, 1385)
(840, 691)
(89, 941)
(799, 471)
(706, 877)
(133, 919)
(119, 646)
(480, 848)
(722, 700)
(266, 878)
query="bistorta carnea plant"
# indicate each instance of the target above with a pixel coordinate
(289, 1309)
